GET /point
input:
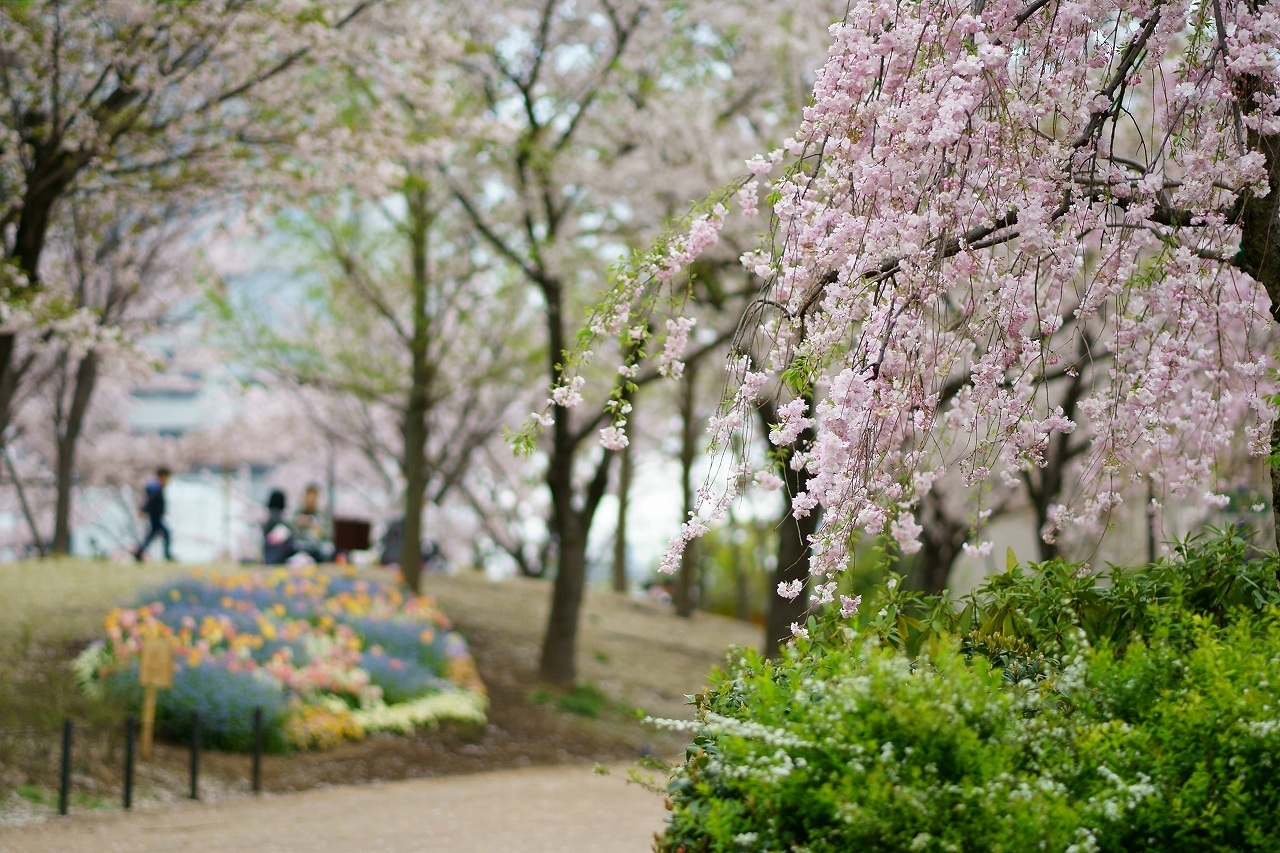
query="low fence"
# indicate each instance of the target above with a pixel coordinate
(96, 752)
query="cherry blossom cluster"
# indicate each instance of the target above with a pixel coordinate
(982, 201)
(626, 315)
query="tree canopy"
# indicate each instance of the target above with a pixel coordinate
(982, 200)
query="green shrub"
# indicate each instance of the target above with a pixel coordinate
(858, 750)
(1053, 713)
(1032, 611)
(1197, 728)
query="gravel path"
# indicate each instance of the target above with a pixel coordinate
(535, 810)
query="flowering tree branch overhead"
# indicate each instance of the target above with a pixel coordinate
(983, 198)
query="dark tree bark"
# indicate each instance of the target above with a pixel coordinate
(1045, 483)
(688, 576)
(8, 379)
(793, 545)
(1260, 241)
(46, 183)
(941, 543)
(36, 539)
(558, 665)
(418, 400)
(69, 429)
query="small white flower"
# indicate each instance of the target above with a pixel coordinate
(790, 589)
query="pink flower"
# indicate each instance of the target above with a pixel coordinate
(613, 438)
(790, 589)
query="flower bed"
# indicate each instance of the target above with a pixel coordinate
(327, 657)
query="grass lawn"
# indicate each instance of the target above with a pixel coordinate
(61, 600)
(49, 611)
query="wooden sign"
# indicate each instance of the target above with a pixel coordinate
(156, 666)
(155, 670)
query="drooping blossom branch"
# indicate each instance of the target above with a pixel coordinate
(982, 198)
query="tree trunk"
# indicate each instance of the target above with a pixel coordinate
(48, 178)
(793, 565)
(558, 665)
(1260, 235)
(414, 489)
(8, 382)
(418, 401)
(941, 542)
(620, 580)
(36, 538)
(1043, 487)
(570, 524)
(933, 565)
(68, 440)
(687, 579)
(559, 647)
(793, 546)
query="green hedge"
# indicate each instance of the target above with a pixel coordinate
(1054, 712)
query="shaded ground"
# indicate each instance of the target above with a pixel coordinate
(531, 811)
(636, 653)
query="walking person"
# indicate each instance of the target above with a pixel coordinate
(153, 509)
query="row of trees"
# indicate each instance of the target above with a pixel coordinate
(938, 341)
(454, 182)
(121, 126)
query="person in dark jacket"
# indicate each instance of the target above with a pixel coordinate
(278, 541)
(153, 511)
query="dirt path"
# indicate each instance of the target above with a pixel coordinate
(538, 810)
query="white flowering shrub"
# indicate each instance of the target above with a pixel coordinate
(851, 743)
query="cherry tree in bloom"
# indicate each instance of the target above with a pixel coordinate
(586, 125)
(987, 196)
(410, 348)
(100, 94)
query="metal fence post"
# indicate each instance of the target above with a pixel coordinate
(257, 750)
(130, 725)
(195, 756)
(64, 783)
